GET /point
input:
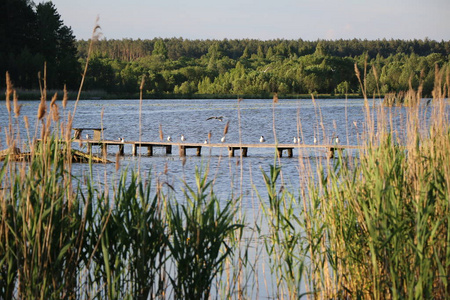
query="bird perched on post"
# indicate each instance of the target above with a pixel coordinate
(262, 139)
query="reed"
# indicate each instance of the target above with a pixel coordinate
(370, 226)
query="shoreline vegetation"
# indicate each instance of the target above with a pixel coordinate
(102, 95)
(371, 226)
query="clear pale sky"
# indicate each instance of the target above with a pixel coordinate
(259, 19)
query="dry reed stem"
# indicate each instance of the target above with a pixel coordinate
(9, 90)
(94, 38)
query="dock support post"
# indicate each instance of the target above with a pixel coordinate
(280, 152)
(169, 149)
(121, 150)
(199, 151)
(135, 150)
(244, 151)
(182, 151)
(290, 154)
(230, 151)
(89, 148)
(150, 150)
(104, 149)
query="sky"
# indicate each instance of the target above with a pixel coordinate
(259, 19)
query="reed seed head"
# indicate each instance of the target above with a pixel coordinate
(275, 97)
(161, 135)
(225, 130)
(65, 97)
(17, 106)
(42, 109)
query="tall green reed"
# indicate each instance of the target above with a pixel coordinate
(201, 235)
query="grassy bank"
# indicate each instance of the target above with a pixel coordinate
(371, 226)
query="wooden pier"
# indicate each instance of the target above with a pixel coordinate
(183, 147)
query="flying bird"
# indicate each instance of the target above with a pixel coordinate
(220, 118)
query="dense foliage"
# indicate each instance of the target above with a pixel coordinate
(32, 35)
(260, 68)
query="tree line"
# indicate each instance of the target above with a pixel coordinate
(34, 35)
(258, 68)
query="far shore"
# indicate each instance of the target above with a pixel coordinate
(101, 95)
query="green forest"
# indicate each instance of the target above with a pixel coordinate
(177, 67)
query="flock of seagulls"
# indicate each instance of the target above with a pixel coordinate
(262, 139)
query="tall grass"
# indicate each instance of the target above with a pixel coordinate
(368, 226)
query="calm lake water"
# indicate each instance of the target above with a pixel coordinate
(248, 120)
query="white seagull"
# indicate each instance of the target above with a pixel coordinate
(315, 140)
(295, 140)
(262, 139)
(87, 136)
(183, 138)
(205, 142)
(337, 140)
(222, 139)
(169, 139)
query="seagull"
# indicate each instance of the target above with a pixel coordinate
(262, 139)
(87, 136)
(295, 140)
(217, 118)
(122, 140)
(222, 139)
(169, 139)
(205, 142)
(183, 138)
(315, 140)
(337, 140)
